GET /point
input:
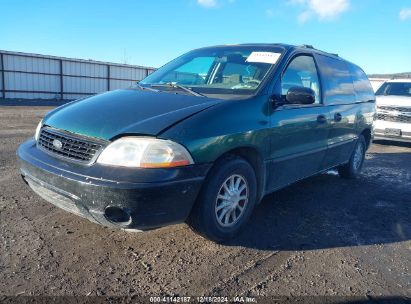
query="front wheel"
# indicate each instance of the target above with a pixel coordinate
(226, 200)
(353, 168)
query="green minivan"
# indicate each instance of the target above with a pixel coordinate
(204, 138)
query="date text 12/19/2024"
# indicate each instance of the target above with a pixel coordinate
(202, 299)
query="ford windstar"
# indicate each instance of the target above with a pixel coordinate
(204, 138)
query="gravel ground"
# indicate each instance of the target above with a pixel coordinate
(325, 236)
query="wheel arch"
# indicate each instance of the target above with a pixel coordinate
(254, 157)
(367, 136)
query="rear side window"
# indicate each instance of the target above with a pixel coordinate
(362, 85)
(337, 82)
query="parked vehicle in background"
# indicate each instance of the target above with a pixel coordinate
(394, 110)
(377, 82)
(203, 138)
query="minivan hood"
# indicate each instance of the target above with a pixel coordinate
(129, 111)
(391, 100)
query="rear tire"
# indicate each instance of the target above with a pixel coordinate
(353, 168)
(226, 200)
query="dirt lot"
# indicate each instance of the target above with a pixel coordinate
(322, 236)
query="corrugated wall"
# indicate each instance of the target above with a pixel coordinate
(1, 74)
(32, 76)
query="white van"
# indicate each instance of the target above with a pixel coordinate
(394, 110)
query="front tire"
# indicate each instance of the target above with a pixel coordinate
(353, 168)
(226, 201)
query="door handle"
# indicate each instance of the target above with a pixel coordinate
(337, 116)
(321, 119)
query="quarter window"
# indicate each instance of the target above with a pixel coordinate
(301, 72)
(362, 85)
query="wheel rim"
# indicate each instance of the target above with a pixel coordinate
(358, 156)
(232, 200)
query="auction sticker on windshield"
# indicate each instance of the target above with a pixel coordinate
(264, 57)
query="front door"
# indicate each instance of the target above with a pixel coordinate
(298, 132)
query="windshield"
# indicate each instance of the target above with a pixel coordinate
(395, 88)
(238, 70)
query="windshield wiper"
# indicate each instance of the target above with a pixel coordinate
(177, 86)
(145, 88)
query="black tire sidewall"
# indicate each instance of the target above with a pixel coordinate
(356, 171)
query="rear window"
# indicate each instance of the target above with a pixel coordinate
(337, 81)
(362, 85)
(395, 88)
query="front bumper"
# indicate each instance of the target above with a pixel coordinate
(151, 197)
(380, 127)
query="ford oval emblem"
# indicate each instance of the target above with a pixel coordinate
(57, 144)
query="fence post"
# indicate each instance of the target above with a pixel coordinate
(108, 77)
(3, 82)
(61, 80)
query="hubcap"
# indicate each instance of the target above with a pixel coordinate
(231, 200)
(358, 156)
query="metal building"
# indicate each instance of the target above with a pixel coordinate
(32, 76)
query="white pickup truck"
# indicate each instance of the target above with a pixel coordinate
(394, 110)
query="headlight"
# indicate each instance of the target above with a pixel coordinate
(37, 134)
(143, 152)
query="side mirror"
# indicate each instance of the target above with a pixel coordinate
(300, 95)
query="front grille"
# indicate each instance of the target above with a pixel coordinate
(394, 118)
(69, 146)
(399, 109)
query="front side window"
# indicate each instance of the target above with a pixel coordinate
(301, 72)
(235, 70)
(395, 88)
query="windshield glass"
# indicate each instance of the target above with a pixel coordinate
(395, 88)
(238, 70)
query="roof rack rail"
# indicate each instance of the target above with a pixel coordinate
(308, 46)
